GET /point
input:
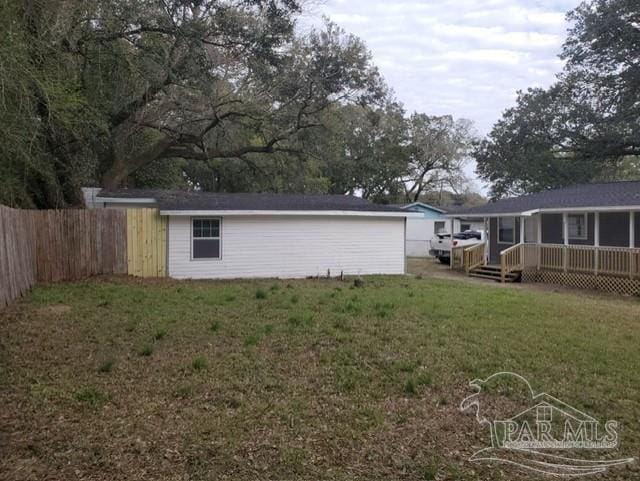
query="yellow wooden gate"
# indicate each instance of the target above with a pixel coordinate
(146, 243)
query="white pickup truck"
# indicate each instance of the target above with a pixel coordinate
(441, 243)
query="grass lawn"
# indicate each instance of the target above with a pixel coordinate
(311, 379)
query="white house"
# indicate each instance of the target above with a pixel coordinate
(215, 235)
(421, 228)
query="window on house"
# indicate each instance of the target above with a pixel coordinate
(464, 227)
(506, 229)
(577, 226)
(205, 239)
(438, 227)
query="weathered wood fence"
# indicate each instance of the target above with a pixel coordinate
(55, 245)
(17, 254)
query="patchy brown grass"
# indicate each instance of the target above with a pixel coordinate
(314, 379)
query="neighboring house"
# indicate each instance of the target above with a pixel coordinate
(585, 235)
(421, 229)
(213, 235)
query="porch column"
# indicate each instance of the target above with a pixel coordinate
(486, 225)
(596, 241)
(539, 238)
(565, 235)
(632, 241)
(521, 229)
(451, 223)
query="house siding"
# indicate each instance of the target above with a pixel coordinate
(292, 246)
(552, 229)
(420, 230)
(614, 229)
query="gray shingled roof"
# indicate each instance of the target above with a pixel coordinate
(611, 194)
(182, 200)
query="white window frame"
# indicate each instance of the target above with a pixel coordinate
(219, 239)
(513, 231)
(435, 226)
(585, 220)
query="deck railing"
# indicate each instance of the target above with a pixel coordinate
(457, 257)
(511, 260)
(616, 261)
(474, 256)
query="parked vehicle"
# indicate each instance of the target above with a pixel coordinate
(441, 243)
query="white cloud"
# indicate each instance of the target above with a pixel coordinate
(463, 57)
(467, 58)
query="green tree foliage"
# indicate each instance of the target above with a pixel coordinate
(439, 149)
(218, 95)
(586, 126)
(125, 91)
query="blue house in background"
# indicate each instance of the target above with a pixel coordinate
(420, 230)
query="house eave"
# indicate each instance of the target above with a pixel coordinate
(551, 210)
(126, 200)
(229, 213)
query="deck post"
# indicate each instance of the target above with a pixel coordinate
(596, 242)
(632, 233)
(565, 235)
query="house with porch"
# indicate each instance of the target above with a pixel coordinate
(581, 236)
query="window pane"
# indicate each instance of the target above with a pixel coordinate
(577, 227)
(506, 227)
(205, 228)
(206, 248)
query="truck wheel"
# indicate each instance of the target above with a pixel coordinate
(444, 260)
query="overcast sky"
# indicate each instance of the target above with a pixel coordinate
(467, 58)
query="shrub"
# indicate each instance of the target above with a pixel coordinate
(146, 350)
(261, 294)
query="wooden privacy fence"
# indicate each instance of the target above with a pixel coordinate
(55, 245)
(75, 244)
(17, 254)
(147, 243)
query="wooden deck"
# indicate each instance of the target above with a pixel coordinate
(608, 268)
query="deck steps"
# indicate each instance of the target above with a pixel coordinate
(493, 273)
